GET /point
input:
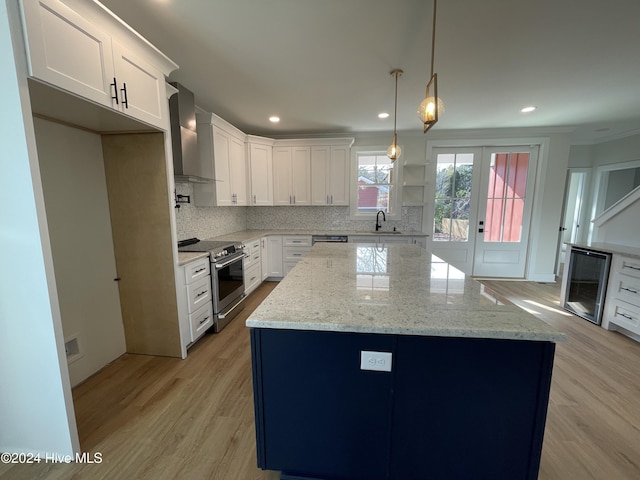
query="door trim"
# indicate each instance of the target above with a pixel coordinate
(535, 235)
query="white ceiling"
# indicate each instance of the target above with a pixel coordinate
(323, 65)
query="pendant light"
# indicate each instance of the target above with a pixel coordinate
(431, 107)
(394, 151)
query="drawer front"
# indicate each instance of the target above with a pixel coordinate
(294, 253)
(200, 321)
(199, 293)
(296, 240)
(196, 270)
(630, 266)
(254, 246)
(625, 315)
(626, 288)
(252, 253)
(252, 278)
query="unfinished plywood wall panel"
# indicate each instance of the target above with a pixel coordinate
(135, 166)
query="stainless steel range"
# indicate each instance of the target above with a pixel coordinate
(227, 276)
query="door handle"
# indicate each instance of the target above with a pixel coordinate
(115, 90)
(125, 100)
(481, 230)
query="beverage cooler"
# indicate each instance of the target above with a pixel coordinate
(585, 283)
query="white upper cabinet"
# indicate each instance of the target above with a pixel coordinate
(222, 157)
(67, 51)
(330, 174)
(94, 59)
(238, 170)
(141, 87)
(260, 170)
(291, 175)
(338, 176)
(320, 162)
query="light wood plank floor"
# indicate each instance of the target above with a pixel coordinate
(164, 418)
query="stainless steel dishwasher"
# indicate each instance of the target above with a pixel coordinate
(329, 238)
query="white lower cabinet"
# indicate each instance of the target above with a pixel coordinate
(264, 257)
(197, 287)
(274, 256)
(294, 247)
(622, 304)
(389, 238)
(252, 266)
(200, 321)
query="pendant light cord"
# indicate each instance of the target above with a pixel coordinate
(395, 110)
(433, 35)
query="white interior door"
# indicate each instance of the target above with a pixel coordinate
(504, 211)
(573, 211)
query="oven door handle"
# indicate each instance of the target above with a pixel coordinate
(218, 266)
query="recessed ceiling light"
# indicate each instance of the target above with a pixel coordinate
(528, 109)
(383, 115)
(274, 119)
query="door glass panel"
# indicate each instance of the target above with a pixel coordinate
(454, 172)
(506, 197)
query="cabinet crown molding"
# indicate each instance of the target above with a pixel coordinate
(106, 20)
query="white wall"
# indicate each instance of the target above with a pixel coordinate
(547, 216)
(77, 204)
(623, 228)
(36, 408)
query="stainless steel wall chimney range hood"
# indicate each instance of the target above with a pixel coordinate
(184, 139)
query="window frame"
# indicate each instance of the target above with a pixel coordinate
(396, 199)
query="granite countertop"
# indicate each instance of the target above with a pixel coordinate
(248, 235)
(186, 257)
(609, 248)
(395, 289)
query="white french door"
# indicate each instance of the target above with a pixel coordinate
(482, 208)
(504, 211)
(456, 185)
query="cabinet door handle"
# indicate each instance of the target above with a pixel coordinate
(631, 290)
(125, 102)
(201, 293)
(254, 199)
(331, 199)
(294, 199)
(327, 199)
(628, 317)
(632, 267)
(204, 319)
(199, 270)
(115, 91)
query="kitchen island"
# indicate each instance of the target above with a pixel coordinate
(385, 362)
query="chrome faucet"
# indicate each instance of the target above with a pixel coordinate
(384, 219)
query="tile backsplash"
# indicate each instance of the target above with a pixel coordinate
(206, 222)
(325, 218)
